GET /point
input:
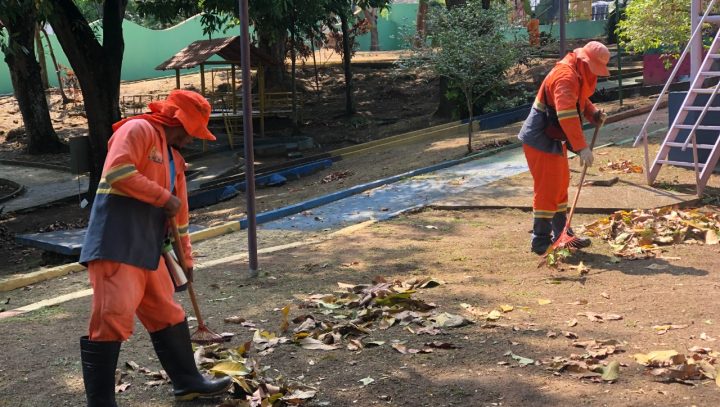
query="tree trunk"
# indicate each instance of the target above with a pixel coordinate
(41, 59)
(445, 107)
(468, 100)
(315, 68)
(420, 33)
(97, 68)
(27, 84)
(372, 16)
(65, 99)
(293, 59)
(349, 105)
(274, 47)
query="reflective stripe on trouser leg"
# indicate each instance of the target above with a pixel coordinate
(120, 291)
(551, 178)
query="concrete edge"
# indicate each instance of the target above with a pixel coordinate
(22, 280)
(222, 228)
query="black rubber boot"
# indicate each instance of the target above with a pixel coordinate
(541, 238)
(99, 360)
(173, 348)
(558, 224)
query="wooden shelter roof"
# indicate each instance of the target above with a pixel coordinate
(199, 52)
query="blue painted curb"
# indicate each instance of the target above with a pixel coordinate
(213, 196)
(279, 178)
(495, 120)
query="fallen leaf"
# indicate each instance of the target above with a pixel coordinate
(400, 348)
(706, 337)
(581, 268)
(506, 308)
(605, 295)
(314, 344)
(229, 368)
(661, 329)
(659, 358)
(572, 322)
(235, 319)
(522, 361)
(570, 335)
(119, 388)
(447, 320)
(611, 372)
(299, 396)
(373, 344)
(367, 380)
(285, 323)
(711, 237)
(595, 317)
(543, 301)
(494, 315)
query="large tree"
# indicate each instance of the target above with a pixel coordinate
(19, 19)
(97, 63)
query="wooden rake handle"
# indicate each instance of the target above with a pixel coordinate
(177, 246)
(582, 176)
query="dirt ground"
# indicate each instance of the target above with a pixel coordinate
(483, 262)
(389, 103)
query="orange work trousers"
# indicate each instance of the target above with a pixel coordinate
(551, 179)
(121, 291)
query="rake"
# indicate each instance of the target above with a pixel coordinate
(203, 335)
(566, 240)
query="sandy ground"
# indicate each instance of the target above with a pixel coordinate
(481, 258)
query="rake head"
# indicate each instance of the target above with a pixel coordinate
(565, 241)
(204, 336)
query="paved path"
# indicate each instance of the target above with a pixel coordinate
(382, 202)
(42, 186)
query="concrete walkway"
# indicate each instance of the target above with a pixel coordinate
(383, 202)
(42, 186)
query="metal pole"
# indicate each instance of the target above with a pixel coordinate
(563, 45)
(696, 45)
(619, 53)
(248, 134)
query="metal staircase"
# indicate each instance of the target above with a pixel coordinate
(689, 118)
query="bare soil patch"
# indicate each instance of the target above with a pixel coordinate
(483, 259)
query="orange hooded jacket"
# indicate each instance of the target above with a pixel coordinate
(567, 89)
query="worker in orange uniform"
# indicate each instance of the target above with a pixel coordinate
(141, 189)
(563, 99)
(533, 29)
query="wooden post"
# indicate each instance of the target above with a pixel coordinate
(232, 90)
(202, 79)
(177, 79)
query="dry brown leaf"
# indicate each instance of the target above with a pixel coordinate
(596, 317)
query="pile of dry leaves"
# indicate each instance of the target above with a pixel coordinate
(639, 233)
(621, 167)
(344, 319)
(669, 365)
